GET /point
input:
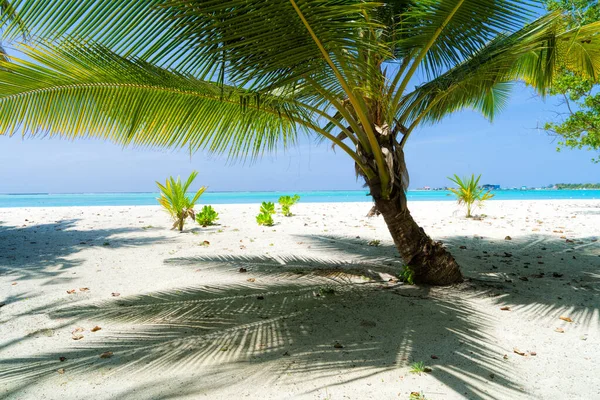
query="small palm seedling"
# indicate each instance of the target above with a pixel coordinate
(375, 243)
(419, 367)
(287, 202)
(407, 275)
(469, 192)
(174, 200)
(208, 216)
(267, 209)
(417, 396)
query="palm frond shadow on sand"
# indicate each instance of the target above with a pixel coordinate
(48, 251)
(538, 274)
(284, 330)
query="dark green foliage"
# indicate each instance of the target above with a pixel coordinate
(208, 216)
(578, 186)
(287, 202)
(581, 127)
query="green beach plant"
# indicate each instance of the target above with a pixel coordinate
(363, 74)
(267, 207)
(417, 396)
(174, 199)
(265, 217)
(419, 367)
(207, 216)
(469, 192)
(407, 275)
(287, 202)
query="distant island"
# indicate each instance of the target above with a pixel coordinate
(575, 186)
(556, 186)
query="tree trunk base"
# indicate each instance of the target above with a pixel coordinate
(429, 261)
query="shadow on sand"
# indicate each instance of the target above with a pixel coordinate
(48, 251)
(328, 321)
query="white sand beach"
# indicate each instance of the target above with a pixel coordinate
(315, 315)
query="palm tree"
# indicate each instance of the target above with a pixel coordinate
(174, 199)
(469, 192)
(244, 77)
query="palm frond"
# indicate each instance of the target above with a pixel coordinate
(237, 40)
(441, 34)
(137, 28)
(533, 55)
(10, 17)
(89, 91)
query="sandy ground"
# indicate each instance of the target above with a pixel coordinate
(314, 316)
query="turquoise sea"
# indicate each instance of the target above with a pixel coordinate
(149, 199)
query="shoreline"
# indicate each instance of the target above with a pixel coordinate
(412, 203)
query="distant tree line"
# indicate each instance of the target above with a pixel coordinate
(578, 185)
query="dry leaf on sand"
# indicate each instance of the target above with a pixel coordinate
(519, 352)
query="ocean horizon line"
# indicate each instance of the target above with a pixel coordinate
(280, 191)
(155, 192)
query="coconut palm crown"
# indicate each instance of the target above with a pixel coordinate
(244, 77)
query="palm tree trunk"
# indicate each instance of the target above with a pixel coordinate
(430, 261)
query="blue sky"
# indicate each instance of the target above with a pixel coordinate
(510, 152)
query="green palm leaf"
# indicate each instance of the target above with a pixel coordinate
(213, 38)
(444, 33)
(10, 17)
(91, 92)
(137, 28)
(482, 82)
